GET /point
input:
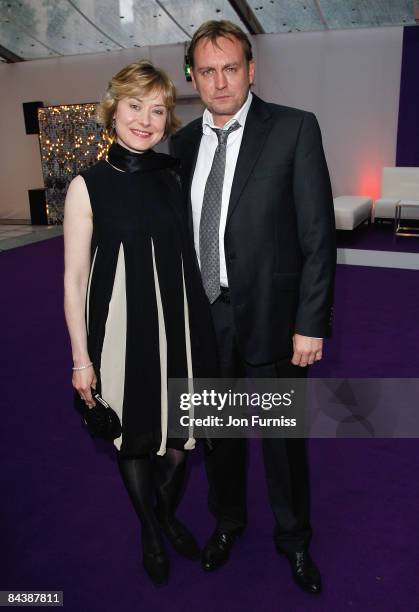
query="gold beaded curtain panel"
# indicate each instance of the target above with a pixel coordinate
(70, 141)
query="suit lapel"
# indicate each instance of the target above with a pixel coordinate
(256, 130)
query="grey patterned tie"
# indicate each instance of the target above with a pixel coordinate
(209, 226)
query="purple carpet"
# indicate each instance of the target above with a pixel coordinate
(377, 237)
(66, 521)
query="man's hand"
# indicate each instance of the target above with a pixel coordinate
(306, 350)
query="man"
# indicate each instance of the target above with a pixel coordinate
(261, 212)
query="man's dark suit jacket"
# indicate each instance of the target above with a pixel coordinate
(280, 232)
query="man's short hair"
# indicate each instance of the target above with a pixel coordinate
(211, 30)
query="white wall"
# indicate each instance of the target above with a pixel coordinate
(349, 78)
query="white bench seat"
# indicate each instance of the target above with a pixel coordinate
(351, 211)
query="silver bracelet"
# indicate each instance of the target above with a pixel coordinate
(83, 367)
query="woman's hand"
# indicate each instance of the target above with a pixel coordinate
(82, 381)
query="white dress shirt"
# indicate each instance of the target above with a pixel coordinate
(209, 143)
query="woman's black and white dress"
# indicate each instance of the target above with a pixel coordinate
(147, 316)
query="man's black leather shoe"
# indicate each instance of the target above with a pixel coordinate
(304, 571)
(217, 550)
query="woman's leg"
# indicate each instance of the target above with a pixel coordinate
(170, 476)
(137, 475)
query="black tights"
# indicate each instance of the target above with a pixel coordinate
(170, 476)
(148, 479)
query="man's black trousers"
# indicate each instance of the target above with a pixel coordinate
(285, 459)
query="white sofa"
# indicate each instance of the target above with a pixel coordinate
(398, 185)
(351, 211)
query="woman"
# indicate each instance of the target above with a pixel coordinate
(134, 305)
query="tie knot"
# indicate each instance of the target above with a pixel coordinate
(222, 135)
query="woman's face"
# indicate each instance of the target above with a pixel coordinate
(140, 121)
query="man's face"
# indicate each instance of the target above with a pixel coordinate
(222, 77)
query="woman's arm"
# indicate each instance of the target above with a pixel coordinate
(78, 227)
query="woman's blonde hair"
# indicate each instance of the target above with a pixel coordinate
(138, 78)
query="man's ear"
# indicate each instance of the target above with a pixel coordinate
(252, 66)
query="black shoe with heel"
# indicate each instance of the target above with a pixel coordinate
(179, 537)
(156, 562)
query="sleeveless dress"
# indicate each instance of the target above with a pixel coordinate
(147, 316)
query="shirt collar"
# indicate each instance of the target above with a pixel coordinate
(240, 116)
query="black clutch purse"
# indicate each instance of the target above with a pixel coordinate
(101, 420)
